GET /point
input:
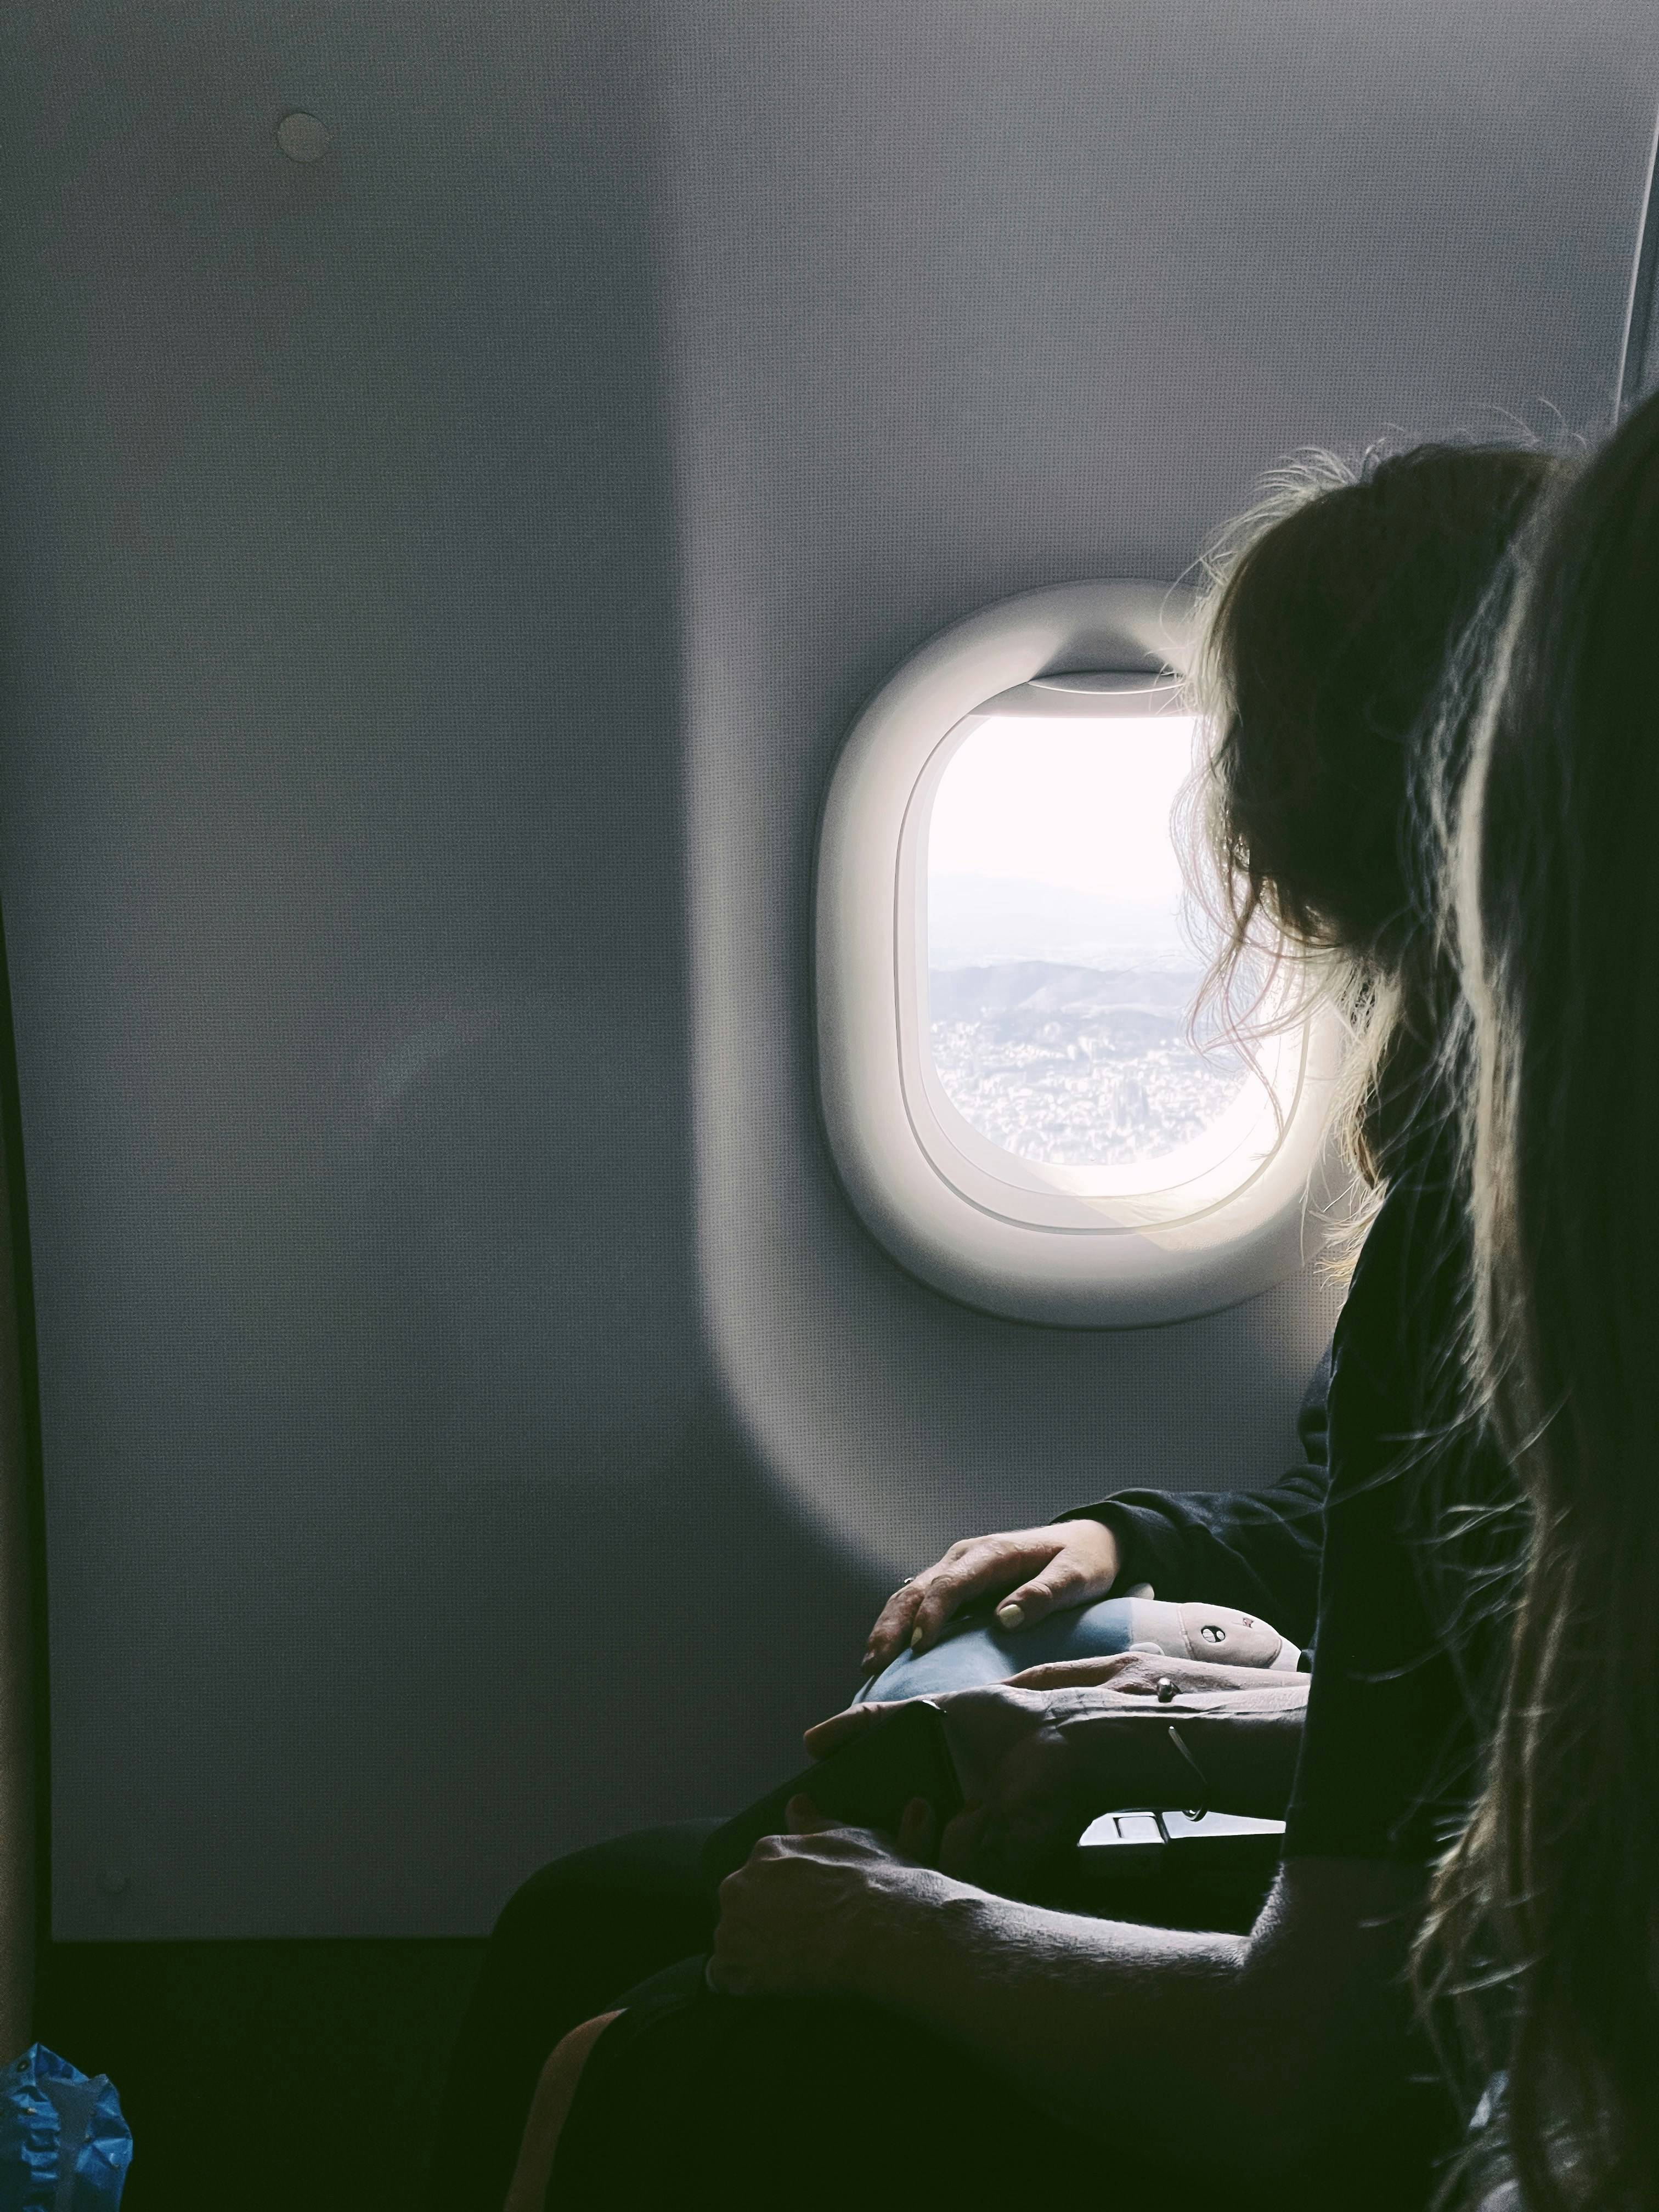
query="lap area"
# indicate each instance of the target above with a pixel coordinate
(753, 2102)
(566, 1946)
(762, 2101)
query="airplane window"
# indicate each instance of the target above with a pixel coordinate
(1060, 983)
(1018, 1101)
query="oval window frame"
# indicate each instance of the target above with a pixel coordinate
(943, 1203)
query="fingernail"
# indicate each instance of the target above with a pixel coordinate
(915, 1640)
(868, 1661)
(1011, 1616)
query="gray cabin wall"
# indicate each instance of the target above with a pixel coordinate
(437, 578)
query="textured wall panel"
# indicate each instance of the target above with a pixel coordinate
(967, 300)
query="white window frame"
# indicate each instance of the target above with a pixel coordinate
(1084, 1247)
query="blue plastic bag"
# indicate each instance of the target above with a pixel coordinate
(64, 2144)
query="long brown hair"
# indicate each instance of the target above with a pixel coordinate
(1331, 606)
(1544, 1929)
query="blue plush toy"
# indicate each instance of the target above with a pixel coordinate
(972, 1651)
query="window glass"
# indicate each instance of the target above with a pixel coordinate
(1060, 979)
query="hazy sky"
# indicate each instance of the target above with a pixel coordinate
(1086, 804)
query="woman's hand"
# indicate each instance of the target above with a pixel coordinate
(800, 1918)
(1033, 1570)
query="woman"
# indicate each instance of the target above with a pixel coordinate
(1553, 1893)
(1339, 597)
(1326, 639)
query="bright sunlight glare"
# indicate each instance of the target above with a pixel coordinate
(1082, 804)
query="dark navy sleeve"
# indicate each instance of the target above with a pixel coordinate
(1255, 1550)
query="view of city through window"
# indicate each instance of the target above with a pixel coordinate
(1060, 981)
